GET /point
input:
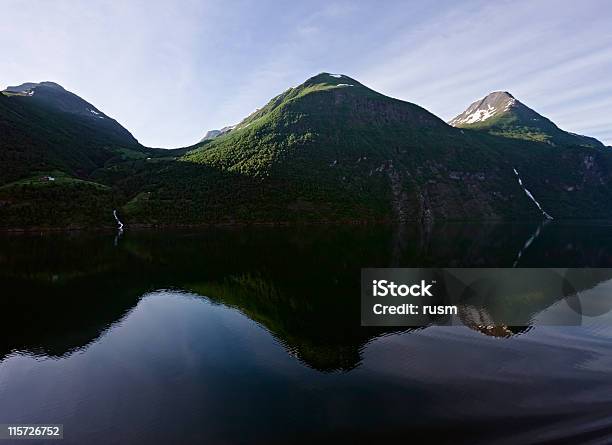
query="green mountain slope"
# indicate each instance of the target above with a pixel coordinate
(333, 149)
(53, 97)
(48, 132)
(46, 127)
(501, 114)
(330, 149)
(326, 150)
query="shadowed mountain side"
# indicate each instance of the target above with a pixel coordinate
(40, 135)
(62, 201)
(183, 193)
(332, 149)
(328, 150)
(374, 188)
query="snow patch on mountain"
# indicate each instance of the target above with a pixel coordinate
(95, 113)
(478, 115)
(486, 108)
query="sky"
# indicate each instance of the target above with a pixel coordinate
(170, 71)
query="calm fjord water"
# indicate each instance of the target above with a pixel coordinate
(253, 336)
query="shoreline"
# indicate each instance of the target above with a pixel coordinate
(243, 224)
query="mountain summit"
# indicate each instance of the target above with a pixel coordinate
(45, 127)
(330, 99)
(29, 87)
(333, 149)
(491, 105)
(502, 114)
(53, 97)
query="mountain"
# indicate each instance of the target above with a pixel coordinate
(54, 97)
(211, 134)
(325, 150)
(501, 114)
(328, 150)
(332, 149)
(52, 146)
(44, 127)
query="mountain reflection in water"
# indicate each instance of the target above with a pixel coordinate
(152, 330)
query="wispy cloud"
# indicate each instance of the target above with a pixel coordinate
(169, 71)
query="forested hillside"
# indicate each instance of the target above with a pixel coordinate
(330, 149)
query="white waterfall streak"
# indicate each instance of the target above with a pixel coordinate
(119, 223)
(528, 193)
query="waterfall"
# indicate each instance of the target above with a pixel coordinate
(528, 193)
(119, 223)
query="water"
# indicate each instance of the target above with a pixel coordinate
(253, 336)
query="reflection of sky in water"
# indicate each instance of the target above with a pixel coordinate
(175, 365)
(178, 365)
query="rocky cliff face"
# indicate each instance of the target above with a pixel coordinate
(211, 134)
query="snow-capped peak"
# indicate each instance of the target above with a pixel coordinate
(491, 105)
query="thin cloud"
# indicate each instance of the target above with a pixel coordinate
(170, 71)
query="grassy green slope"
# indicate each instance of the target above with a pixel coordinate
(86, 157)
(38, 138)
(63, 202)
(332, 149)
